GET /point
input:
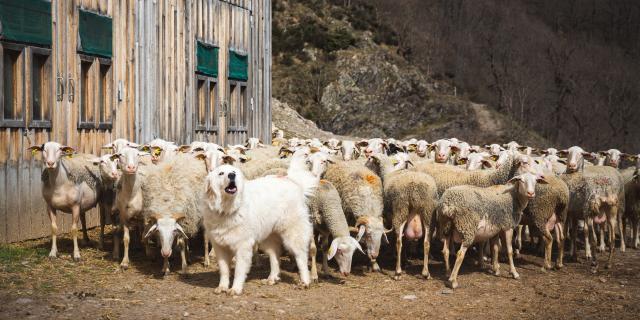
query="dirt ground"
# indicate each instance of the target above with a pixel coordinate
(33, 286)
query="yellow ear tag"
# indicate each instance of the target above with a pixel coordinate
(157, 152)
(69, 155)
(34, 152)
(394, 162)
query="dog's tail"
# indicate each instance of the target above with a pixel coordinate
(305, 179)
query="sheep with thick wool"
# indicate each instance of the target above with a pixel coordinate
(171, 196)
(361, 192)
(470, 214)
(410, 199)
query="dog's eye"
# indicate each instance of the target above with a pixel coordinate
(221, 173)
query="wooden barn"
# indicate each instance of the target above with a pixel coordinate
(86, 72)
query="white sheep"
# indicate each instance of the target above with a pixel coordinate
(109, 176)
(469, 214)
(349, 150)
(70, 185)
(117, 145)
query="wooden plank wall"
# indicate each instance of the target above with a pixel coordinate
(153, 89)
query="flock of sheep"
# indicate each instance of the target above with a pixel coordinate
(300, 193)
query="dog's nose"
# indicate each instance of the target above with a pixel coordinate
(232, 175)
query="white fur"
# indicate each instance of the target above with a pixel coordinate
(269, 211)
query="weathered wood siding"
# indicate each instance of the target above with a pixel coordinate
(151, 90)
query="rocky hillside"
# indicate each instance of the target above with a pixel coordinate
(340, 68)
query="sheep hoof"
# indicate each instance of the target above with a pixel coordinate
(452, 284)
(272, 281)
(515, 275)
(543, 269)
(220, 290)
(600, 249)
(53, 255)
(76, 258)
(496, 273)
(124, 266)
(397, 276)
(559, 266)
(207, 263)
(375, 267)
(426, 275)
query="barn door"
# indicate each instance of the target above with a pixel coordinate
(236, 91)
(86, 73)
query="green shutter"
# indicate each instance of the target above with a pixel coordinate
(207, 59)
(26, 21)
(96, 34)
(238, 66)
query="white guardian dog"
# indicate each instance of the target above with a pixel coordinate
(269, 211)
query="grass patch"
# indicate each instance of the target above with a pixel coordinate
(14, 258)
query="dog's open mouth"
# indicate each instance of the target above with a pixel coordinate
(231, 188)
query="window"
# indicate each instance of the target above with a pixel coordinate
(96, 94)
(238, 109)
(206, 104)
(25, 86)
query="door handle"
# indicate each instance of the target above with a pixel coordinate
(59, 87)
(72, 88)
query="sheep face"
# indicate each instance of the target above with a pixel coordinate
(214, 158)
(575, 158)
(349, 150)
(494, 149)
(119, 144)
(462, 149)
(253, 143)
(422, 148)
(51, 153)
(443, 150)
(129, 159)
(342, 249)
(319, 162)
(372, 229)
(525, 184)
(223, 188)
(108, 165)
(512, 147)
(476, 161)
(166, 229)
(612, 157)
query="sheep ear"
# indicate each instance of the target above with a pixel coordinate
(602, 153)
(515, 179)
(151, 230)
(486, 164)
(244, 159)
(455, 149)
(108, 146)
(431, 147)
(330, 161)
(228, 160)
(361, 231)
(636, 178)
(462, 160)
(35, 149)
(384, 236)
(314, 149)
(145, 148)
(541, 180)
(67, 149)
(357, 245)
(184, 148)
(333, 249)
(143, 154)
(410, 163)
(200, 156)
(179, 228)
(562, 161)
(96, 161)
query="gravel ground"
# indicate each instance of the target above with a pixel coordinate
(34, 286)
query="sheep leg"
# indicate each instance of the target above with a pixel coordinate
(573, 232)
(453, 279)
(519, 240)
(426, 245)
(75, 215)
(125, 239)
(207, 260)
(182, 244)
(116, 242)
(325, 247)
(165, 266)
(623, 246)
(445, 254)
(399, 234)
(243, 265)
(480, 261)
(587, 241)
(560, 239)
(54, 232)
(224, 261)
(508, 237)
(601, 233)
(495, 251)
(273, 249)
(548, 246)
(313, 251)
(102, 224)
(591, 240)
(612, 238)
(85, 235)
(636, 240)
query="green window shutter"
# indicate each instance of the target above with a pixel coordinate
(207, 59)
(238, 66)
(26, 21)
(96, 34)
